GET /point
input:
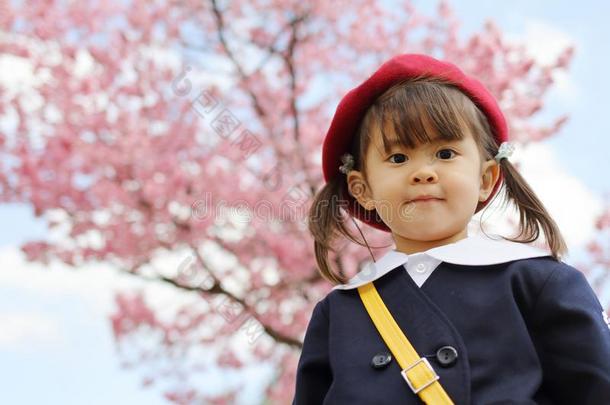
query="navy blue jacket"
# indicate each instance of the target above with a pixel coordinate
(529, 331)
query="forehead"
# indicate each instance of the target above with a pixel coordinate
(387, 139)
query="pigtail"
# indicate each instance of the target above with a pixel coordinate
(325, 224)
(326, 221)
(532, 213)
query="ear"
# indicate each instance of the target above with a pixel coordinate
(359, 189)
(490, 173)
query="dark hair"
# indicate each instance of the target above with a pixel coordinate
(411, 107)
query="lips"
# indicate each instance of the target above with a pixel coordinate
(425, 198)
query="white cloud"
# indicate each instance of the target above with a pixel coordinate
(35, 297)
(93, 285)
(20, 330)
(545, 42)
(569, 202)
(54, 279)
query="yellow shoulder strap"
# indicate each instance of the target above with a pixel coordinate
(417, 372)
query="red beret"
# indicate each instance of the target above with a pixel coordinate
(352, 107)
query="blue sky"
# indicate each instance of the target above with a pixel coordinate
(59, 349)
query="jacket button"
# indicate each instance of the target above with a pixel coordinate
(381, 360)
(446, 356)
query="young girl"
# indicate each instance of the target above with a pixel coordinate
(416, 150)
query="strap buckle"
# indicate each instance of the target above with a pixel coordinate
(427, 363)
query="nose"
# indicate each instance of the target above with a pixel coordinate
(424, 175)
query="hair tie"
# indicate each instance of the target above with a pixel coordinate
(348, 163)
(505, 151)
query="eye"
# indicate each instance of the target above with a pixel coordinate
(445, 153)
(402, 158)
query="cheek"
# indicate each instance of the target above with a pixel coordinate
(383, 185)
(464, 185)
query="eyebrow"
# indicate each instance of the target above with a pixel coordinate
(395, 142)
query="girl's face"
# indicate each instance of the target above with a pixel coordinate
(450, 174)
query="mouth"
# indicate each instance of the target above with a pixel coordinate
(425, 199)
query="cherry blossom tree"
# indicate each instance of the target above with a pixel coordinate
(179, 142)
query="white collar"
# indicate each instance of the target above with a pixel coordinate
(474, 250)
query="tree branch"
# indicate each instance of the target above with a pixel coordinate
(220, 25)
(218, 289)
(255, 101)
(288, 59)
